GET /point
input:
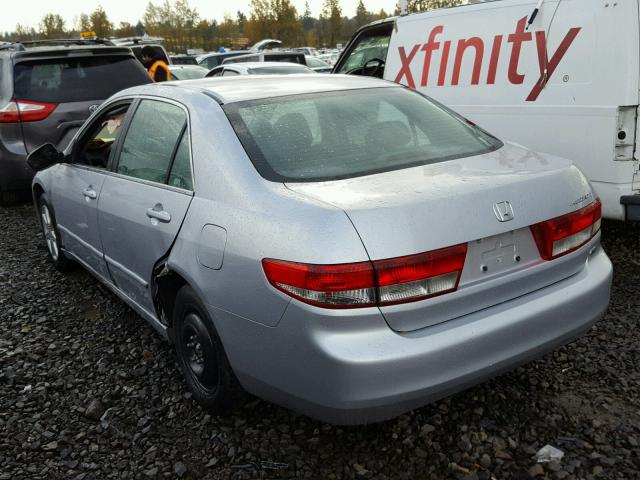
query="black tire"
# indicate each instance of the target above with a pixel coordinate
(52, 236)
(201, 355)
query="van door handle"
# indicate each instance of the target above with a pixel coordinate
(90, 193)
(159, 214)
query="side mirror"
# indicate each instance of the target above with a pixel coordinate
(44, 157)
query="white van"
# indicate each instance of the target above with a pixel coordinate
(566, 84)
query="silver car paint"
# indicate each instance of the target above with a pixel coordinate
(348, 366)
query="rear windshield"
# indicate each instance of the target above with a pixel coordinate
(76, 79)
(336, 135)
(275, 70)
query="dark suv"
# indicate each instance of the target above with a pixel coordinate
(46, 94)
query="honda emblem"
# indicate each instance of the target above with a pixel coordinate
(503, 211)
(93, 108)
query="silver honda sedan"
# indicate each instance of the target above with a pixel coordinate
(339, 245)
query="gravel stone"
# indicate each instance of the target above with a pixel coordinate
(89, 391)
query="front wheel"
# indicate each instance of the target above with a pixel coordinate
(201, 355)
(52, 236)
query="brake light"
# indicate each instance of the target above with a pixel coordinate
(335, 286)
(365, 284)
(562, 235)
(18, 111)
(407, 279)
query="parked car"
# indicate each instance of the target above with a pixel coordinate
(183, 60)
(339, 245)
(46, 94)
(580, 100)
(308, 51)
(330, 58)
(317, 65)
(269, 56)
(187, 72)
(212, 60)
(258, 68)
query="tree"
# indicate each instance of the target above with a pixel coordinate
(23, 33)
(307, 20)
(100, 23)
(139, 29)
(362, 15)
(84, 23)
(52, 26)
(125, 29)
(424, 5)
(332, 14)
(241, 20)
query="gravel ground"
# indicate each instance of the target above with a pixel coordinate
(89, 391)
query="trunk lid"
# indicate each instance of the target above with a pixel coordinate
(420, 209)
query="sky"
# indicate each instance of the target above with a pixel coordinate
(29, 12)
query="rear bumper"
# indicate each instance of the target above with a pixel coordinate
(15, 173)
(631, 204)
(351, 368)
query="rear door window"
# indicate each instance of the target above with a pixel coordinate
(76, 79)
(151, 141)
(181, 175)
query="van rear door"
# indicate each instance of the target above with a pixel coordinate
(67, 89)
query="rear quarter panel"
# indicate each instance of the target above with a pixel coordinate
(262, 220)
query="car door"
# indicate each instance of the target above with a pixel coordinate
(144, 201)
(78, 184)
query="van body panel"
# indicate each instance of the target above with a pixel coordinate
(483, 62)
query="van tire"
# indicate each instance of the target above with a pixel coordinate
(201, 355)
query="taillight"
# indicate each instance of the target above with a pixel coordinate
(562, 235)
(23, 111)
(336, 286)
(365, 284)
(407, 279)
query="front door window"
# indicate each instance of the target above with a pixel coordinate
(96, 147)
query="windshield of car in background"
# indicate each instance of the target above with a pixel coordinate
(76, 79)
(336, 135)
(275, 70)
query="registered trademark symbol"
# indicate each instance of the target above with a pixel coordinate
(565, 79)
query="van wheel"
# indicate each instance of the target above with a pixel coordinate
(52, 236)
(201, 355)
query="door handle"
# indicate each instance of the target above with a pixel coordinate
(159, 214)
(90, 193)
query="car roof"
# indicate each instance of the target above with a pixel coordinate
(255, 87)
(250, 65)
(68, 50)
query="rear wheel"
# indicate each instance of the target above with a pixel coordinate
(51, 235)
(201, 355)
